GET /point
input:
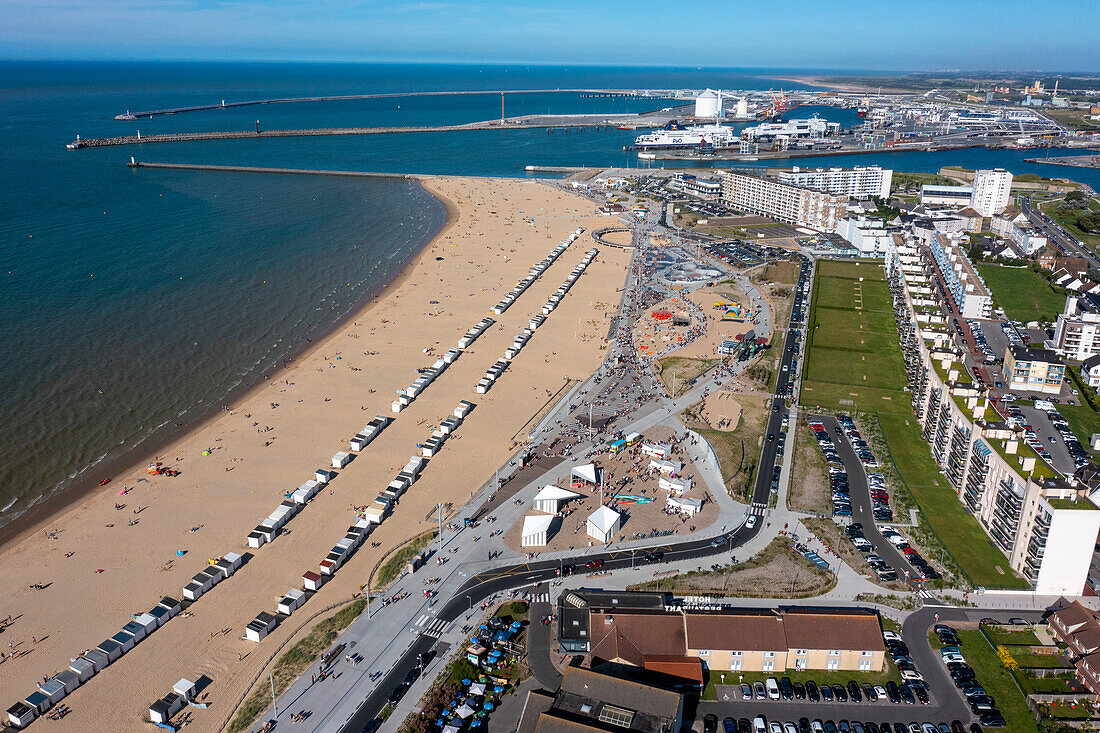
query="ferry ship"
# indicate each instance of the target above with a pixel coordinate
(674, 135)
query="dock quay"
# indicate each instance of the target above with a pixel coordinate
(128, 115)
(783, 154)
(257, 169)
(1076, 161)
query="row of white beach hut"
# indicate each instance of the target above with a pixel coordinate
(427, 376)
(268, 529)
(215, 572)
(536, 271)
(81, 668)
(371, 431)
(491, 375)
(478, 329)
(556, 297)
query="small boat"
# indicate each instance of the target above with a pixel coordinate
(104, 482)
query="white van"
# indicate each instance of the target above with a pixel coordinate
(772, 686)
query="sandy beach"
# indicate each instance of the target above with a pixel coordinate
(114, 554)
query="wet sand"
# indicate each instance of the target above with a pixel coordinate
(278, 435)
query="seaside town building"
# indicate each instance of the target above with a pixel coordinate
(623, 631)
(946, 195)
(992, 191)
(966, 287)
(1078, 628)
(1045, 525)
(589, 702)
(1033, 370)
(786, 203)
(859, 182)
(1077, 331)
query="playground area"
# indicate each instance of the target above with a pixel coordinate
(630, 488)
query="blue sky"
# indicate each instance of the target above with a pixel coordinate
(1056, 35)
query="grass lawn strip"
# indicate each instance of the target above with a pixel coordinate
(959, 532)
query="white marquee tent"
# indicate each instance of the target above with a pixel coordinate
(536, 530)
(588, 473)
(603, 524)
(689, 507)
(550, 499)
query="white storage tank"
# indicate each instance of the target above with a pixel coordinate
(708, 104)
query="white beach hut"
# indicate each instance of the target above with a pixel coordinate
(311, 580)
(53, 689)
(21, 715)
(339, 460)
(125, 640)
(84, 668)
(603, 524)
(98, 659)
(291, 601)
(38, 701)
(185, 688)
(536, 530)
(70, 679)
(260, 627)
(147, 621)
(135, 630)
(111, 648)
(550, 498)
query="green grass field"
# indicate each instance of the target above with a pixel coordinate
(1024, 295)
(853, 356)
(854, 363)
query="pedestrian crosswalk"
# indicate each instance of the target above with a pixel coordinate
(758, 508)
(435, 628)
(542, 598)
(927, 594)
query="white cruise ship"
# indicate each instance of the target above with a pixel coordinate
(673, 135)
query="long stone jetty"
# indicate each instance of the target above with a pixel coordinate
(128, 115)
(258, 169)
(528, 122)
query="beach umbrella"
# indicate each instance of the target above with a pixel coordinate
(488, 706)
(466, 681)
(181, 553)
(498, 689)
(464, 712)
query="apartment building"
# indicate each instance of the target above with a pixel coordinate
(946, 195)
(870, 236)
(1077, 332)
(804, 207)
(1033, 370)
(616, 629)
(961, 280)
(860, 182)
(1046, 526)
(992, 191)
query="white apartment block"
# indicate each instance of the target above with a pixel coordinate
(790, 204)
(966, 286)
(1043, 524)
(859, 182)
(1077, 333)
(946, 195)
(869, 236)
(992, 191)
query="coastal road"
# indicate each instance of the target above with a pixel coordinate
(1053, 233)
(763, 489)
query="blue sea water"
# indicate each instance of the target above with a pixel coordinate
(132, 300)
